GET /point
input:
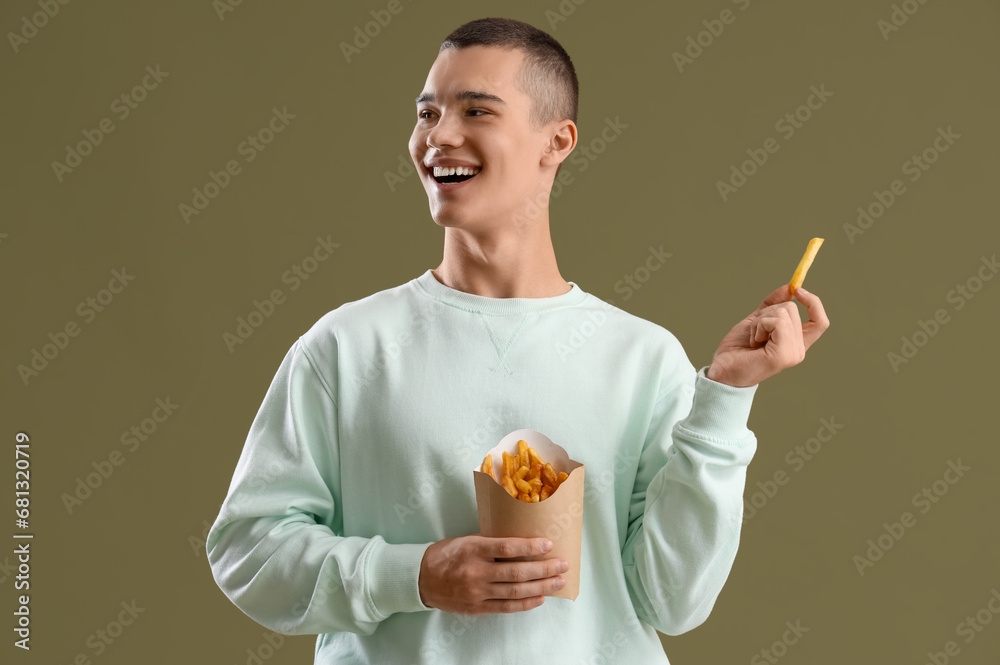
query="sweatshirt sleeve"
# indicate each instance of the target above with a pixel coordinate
(277, 548)
(686, 509)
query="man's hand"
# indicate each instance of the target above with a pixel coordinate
(769, 339)
(459, 575)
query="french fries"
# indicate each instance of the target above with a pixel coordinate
(488, 466)
(525, 476)
(800, 272)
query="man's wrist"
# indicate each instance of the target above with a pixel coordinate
(713, 375)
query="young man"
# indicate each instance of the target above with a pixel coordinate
(352, 512)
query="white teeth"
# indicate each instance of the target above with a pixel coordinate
(441, 171)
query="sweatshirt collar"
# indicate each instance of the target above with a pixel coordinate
(429, 284)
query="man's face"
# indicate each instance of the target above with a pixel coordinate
(473, 114)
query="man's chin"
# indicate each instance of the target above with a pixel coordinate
(450, 215)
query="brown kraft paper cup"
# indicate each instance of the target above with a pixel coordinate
(558, 518)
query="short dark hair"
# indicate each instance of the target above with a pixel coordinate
(547, 77)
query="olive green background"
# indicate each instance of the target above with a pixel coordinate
(140, 535)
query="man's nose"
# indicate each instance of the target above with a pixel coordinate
(447, 131)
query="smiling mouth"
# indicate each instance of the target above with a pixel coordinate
(453, 176)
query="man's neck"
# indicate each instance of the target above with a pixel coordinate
(501, 266)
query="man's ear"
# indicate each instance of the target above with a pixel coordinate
(561, 145)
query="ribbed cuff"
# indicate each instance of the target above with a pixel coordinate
(720, 411)
(393, 578)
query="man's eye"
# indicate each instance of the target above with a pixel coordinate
(425, 114)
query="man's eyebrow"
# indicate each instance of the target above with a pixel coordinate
(462, 96)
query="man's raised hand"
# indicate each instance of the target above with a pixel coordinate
(769, 339)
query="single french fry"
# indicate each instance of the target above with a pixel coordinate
(508, 485)
(488, 466)
(522, 453)
(508, 464)
(561, 477)
(536, 470)
(521, 473)
(523, 485)
(549, 474)
(533, 457)
(545, 493)
(799, 275)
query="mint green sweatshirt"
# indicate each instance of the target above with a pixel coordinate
(361, 456)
